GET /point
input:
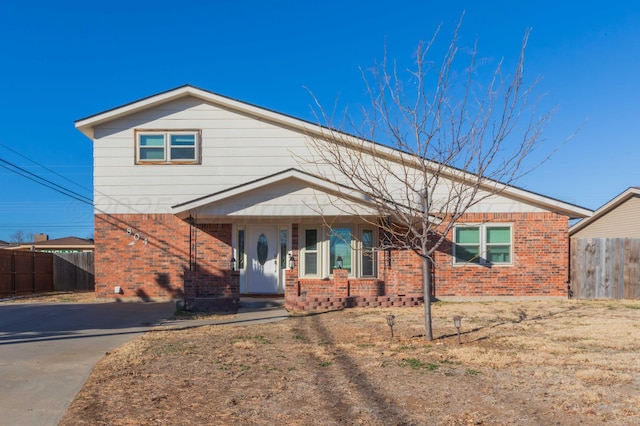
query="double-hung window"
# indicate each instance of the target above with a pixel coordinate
(486, 244)
(167, 146)
(311, 252)
(368, 262)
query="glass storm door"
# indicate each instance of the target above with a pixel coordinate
(262, 260)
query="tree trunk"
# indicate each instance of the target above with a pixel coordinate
(426, 288)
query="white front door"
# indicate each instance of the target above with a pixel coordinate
(262, 260)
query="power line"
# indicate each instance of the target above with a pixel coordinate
(45, 167)
(45, 182)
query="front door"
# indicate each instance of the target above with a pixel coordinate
(262, 260)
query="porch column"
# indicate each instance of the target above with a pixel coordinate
(291, 288)
(341, 282)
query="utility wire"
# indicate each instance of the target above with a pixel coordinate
(45, 182)
(45, 167)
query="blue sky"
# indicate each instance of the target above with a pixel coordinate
(62, 61)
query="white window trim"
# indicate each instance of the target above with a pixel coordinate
(373, 250)
(323, 250)
(483, 244)
(302, 239)
(167, 133)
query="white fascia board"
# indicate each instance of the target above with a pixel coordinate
(557, 206)
(606, 208)
(86, 125)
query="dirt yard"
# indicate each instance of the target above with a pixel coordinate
(530, 363)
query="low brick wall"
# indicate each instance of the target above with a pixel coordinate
(341, 292)
(304, 303)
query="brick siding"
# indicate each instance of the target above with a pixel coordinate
(159, 257)
(539, 268)
(194, 263)
(540, 260)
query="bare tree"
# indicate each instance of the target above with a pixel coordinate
(447, 142)
(21, 237)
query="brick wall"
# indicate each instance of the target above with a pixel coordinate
(540, 260)
(540, 268)
(179, 261)
(157, 256)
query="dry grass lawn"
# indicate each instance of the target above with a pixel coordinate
(525, 363)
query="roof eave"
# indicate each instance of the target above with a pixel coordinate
(606, 208)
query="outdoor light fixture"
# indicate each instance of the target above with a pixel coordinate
(233, 263)
(292, 262)
(339, 262)
(391, 320)
(457, 322)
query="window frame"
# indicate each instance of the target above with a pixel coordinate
(304, 251)
(240, 248)
(323, 250)
(483, 244)
(167, 146)
(368, 251)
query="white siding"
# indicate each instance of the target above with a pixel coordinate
(236, 149)
(290, 198)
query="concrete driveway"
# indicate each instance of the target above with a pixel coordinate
(47, 352)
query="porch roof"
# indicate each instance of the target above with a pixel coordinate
(290, 193)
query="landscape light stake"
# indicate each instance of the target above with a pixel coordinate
(457, 320)
(390, 322)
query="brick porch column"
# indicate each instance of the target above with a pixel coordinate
(291, 288)
(341, 282)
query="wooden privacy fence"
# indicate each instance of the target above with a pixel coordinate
(73, 271)
(24, 272)
(605, 268)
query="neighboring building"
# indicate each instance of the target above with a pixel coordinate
(59, 245)
(4, 244)
(207, 198)
(619, 218)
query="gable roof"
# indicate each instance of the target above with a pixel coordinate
(264, 186)
(621, 198)
(86, 126)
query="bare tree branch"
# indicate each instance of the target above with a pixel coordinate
(447, 144)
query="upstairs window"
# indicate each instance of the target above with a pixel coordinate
(487, 244)
(167, 147)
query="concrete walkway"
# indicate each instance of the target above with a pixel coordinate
(252, 311)
(47, 351)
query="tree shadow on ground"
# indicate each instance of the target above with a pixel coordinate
(369, 396)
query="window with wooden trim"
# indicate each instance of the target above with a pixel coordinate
(167, 146)
(486, 244)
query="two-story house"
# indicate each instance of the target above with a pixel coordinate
(207, 198)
